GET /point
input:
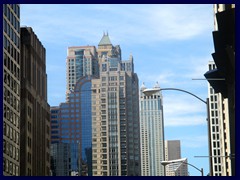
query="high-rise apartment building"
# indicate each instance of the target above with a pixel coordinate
(11, 89)
(221, 93)
(173, 153)
(152, 131)
(115, 116)
(71, 132)
(81, 61)
(35, 111)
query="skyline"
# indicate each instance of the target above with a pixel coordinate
(152, 49)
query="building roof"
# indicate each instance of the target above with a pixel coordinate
(105, 40)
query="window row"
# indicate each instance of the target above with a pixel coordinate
(11, 133)
(67, 126)
(11, 33)
(10, 167)
(11, 50)
(12, 100)
(11, 65)
(11, 15)
(11, 116)
(213, 98)
(214, 106)
(214, 113)
(215, 129)
(10, 82)
(10, 150)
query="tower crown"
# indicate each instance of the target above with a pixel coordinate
(105, 40)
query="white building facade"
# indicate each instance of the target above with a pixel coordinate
(152, 135)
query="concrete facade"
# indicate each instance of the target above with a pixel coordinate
(35, 111)
(115, 115)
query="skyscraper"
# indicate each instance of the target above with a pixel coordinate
(115, 115)
(71, 132)
(152, 131)
(173, 153)
(81, 61)
(35, 111)
(172, 150)
(11, 89)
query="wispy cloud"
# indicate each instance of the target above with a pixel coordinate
(183, 110)
(153, 23)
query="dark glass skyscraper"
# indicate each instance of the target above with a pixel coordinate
(72, 129)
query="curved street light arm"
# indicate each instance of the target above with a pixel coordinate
(162, 89)
(201, 170)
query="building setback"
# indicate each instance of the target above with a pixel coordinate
(11, 90)
(115, 115)
(35, 111)
(152, 131)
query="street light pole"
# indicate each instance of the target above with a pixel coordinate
(201, 170)
(176, 89)
(164, 163)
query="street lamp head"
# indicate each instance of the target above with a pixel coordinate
(164, 163)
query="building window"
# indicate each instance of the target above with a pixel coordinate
(104, 67)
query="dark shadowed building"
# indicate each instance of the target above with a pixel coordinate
(35, 111)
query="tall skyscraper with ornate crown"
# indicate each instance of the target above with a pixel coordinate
(115, 114)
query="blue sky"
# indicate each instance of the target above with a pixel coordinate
(171, 44)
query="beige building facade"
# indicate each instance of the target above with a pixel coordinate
(81, 61)
(115, 116)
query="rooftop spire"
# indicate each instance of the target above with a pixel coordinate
(105, 40)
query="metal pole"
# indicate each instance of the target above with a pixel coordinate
(202, 171)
